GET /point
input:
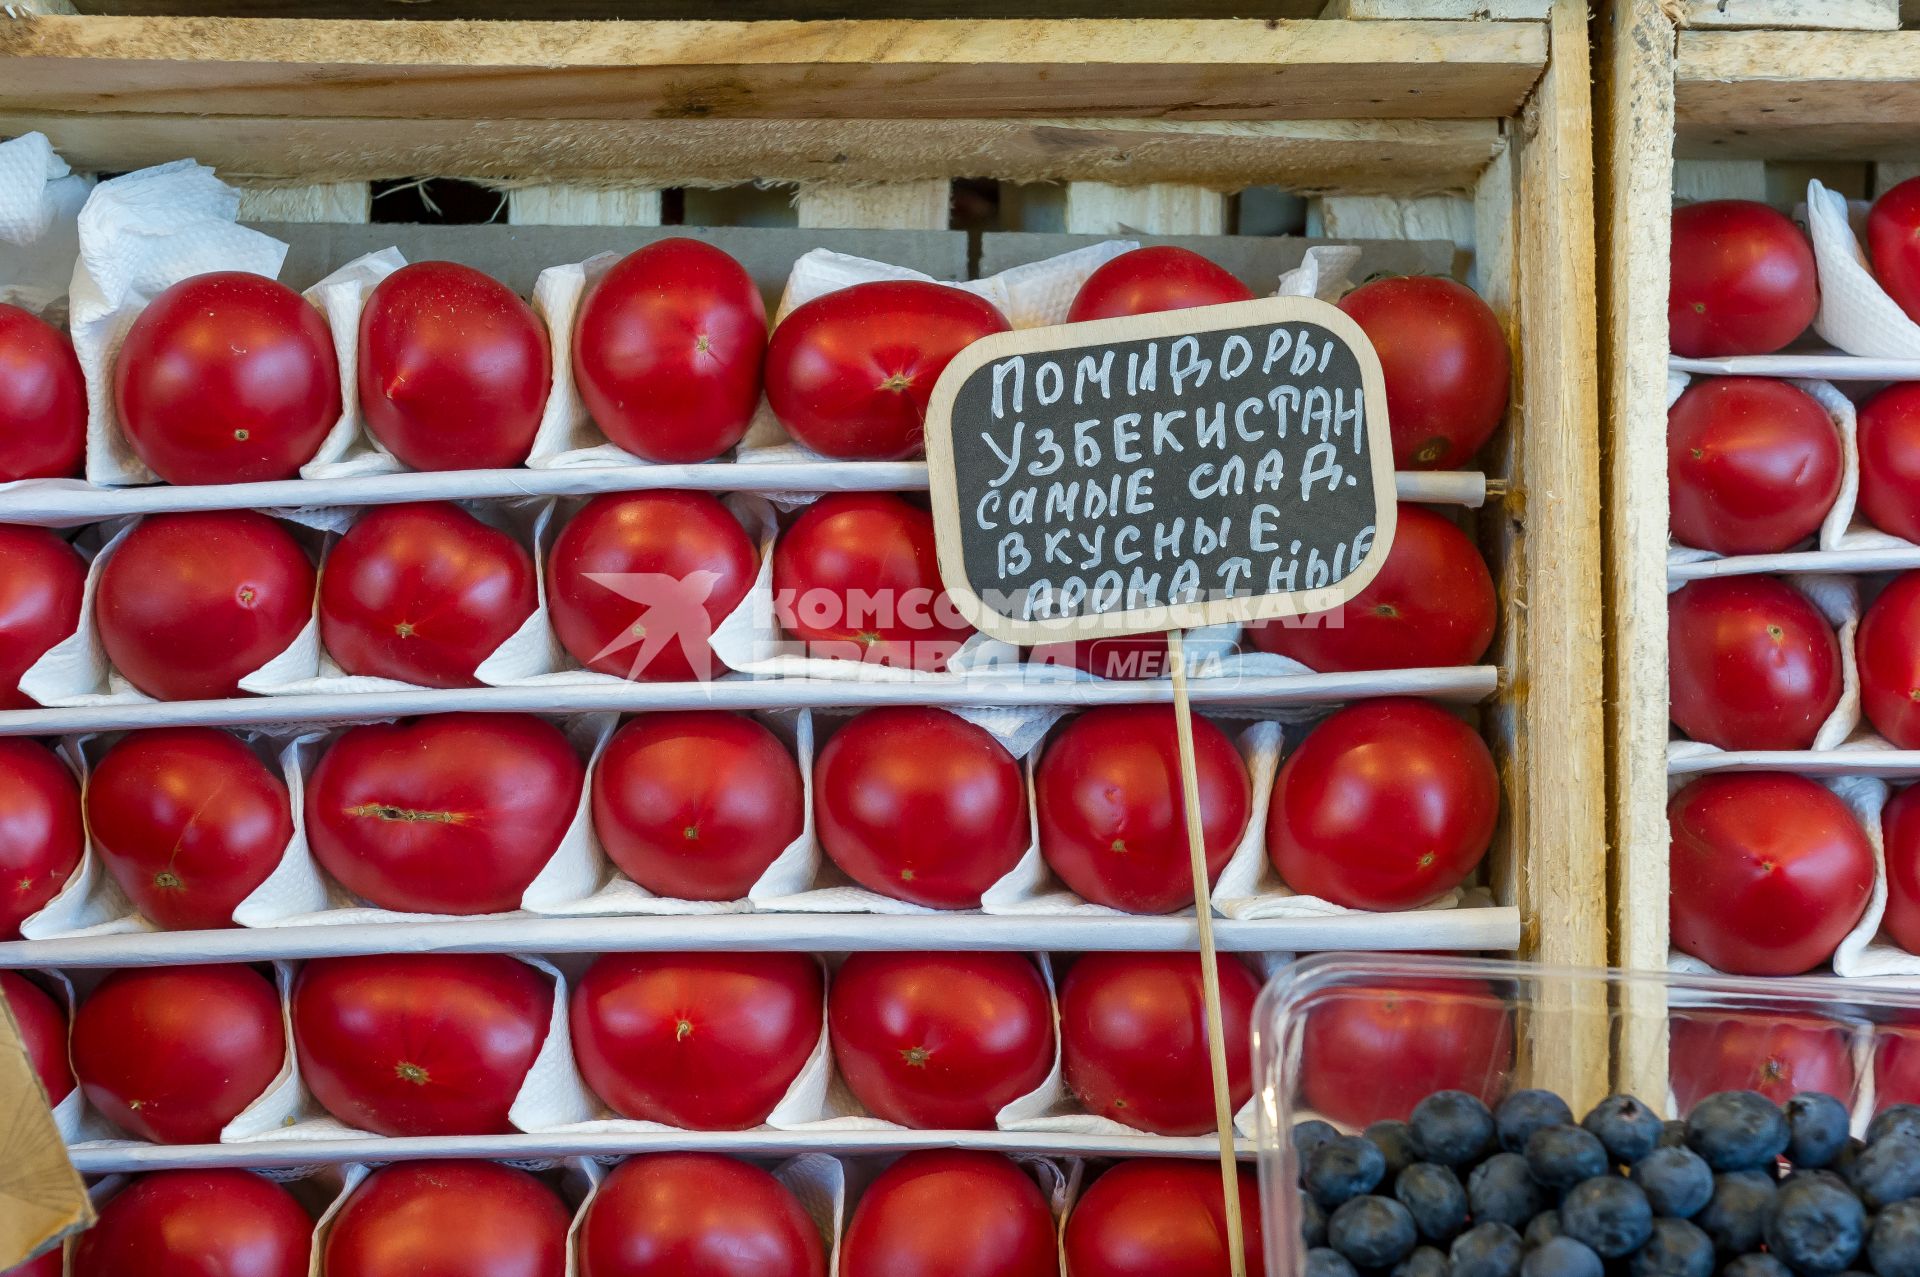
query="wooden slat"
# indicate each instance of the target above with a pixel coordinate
(1447, 10)
(658, 10)
(701, 70)
(1449, 217)
(1833, 15)
(923, 205)
(554, 204)
(1829, 95)
(322, 202)
(1099, 208)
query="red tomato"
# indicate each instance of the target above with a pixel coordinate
(1113, 823)
(856, 577)
(1754, 664)
(1896, 1067)
(1432, 604)
(1889, 437)
(667, 351)
(701, 1041)
(1893, 242)
(637, 582)
(1152, 279)
(43, 400)
(1445, 359)
(1133, 1038)
(1770, 872)
(189, 604)
(227, 378)
(189, 822)
(697, 1215)
(1371, 1052)
(451, 813)
(41, 581)
(921, 805)
(1386, 805)
(1888, 648)
(1158, 1215)
(849, 374)
(1126, 656)
(48, 1265)
(172, 1054)
(1778, 1056)
(1743, 280)
(940, 1040)
(422, 1043)
(1753, 465)
(423, 593)
(454, 368)
(695, 805)
(43, 1031)
(956, 1213)
(41, 835)
(1900, 830)
(419, 1219)
(201, 1223)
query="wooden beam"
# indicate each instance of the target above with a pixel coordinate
(1827, 95)
(553, 204)
(1100, 208)
(1447, 10)
(1170, 68)
(923, 205)
(659, 10)
(1832, 15)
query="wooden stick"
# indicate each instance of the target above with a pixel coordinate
(1209, 960)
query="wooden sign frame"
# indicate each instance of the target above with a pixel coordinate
(943, 478)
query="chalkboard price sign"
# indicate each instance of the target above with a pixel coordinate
(1161, 471)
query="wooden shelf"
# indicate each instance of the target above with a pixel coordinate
(1827, 95)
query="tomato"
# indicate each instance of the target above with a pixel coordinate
(41, 581)
(1113, 821)
(951, 1213)
(1770, 872)
(1888, 648)
(1754, 664)
(454, 368)
(1743, 280)
(1896, 1067)
(1889, 441)
(667, 351)
(227, 378)
(1124, 656)
(1900, 831)
(1151, 279)
(1444, 357)
(189, 821)
(420, 1043)
(189, 604)
(43, 1032)
(1370, 1052)
(451, 813)
(849, 373)
(43, 400)
(200, 1223)
(697, 1215)
(41, 835)
(1753, 465)
(48, 1265)
(921, 805)
(421, 1219)
(172, 1054)
(1133, 1038)
(695, 805)
(1432, 604)
(1893, 243)
(1386, 805)
(856, 577)
(701, 1041)
(1779, 1056)
(940, 1041)
(423, 592)
(1157, 1215)
(637, 582)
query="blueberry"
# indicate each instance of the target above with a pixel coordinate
(1816, 1227)
(1677, 1181)
(1562, 1156)
(1894, 1245)
(1816, 1129)
(1425, 1261)
(1562, 1257)
(1311, 1134)
(1500, 1189)
(1848, 1155)
(1737, 1130)
(1817, 1174)
(1900, 1119)
(1395, 1142)
(1313, 1222)
(1736, 1215)
(1673, 1134)
(1887, 1171)
(1486, 1250)
(1373, 1232)
(1452, 1128)
(1756, 1266)
(1325, 1262)
(1676, 1249)
(1609, 1214)
(1433, 1196)
(1543, 1228)
(1629, 1129)
(1344, 1168)
(1524, 1112)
